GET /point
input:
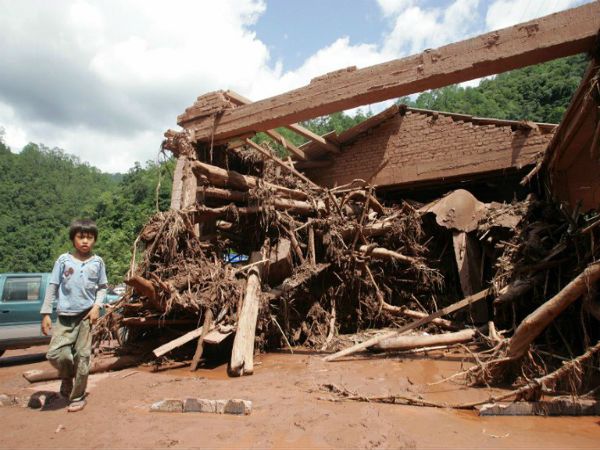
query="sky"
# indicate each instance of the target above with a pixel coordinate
(103, 80)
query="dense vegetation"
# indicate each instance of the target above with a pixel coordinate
(539, 93)
(43, 189)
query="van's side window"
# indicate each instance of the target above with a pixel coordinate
(21, 289)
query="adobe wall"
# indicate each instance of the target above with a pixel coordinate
(421, 148)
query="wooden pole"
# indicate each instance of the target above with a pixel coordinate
(206, 327)
(400, 343)
(533, 325)
(472, 299)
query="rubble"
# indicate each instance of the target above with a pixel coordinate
(256, 255)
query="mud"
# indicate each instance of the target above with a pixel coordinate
(289, 409)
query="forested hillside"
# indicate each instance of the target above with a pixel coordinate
(42, 190)
(539, 93)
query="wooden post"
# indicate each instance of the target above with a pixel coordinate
(206, 327)
(242, 354)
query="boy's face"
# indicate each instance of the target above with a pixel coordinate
(84, 242)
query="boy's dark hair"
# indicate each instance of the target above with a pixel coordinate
(83, 226)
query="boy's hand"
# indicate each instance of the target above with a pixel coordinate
(93, 315)
(46, 325)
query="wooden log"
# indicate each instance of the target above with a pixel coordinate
(230, 178)
(154, 322)
(206, 213)
(242, 354)
(384, 253)
(239, 100)
(404, 311)
(181, 340)
(224, 194)
(543, 39)
(399, 343)
(206, 326)
(556, 407)
(472, 299)
(98, 365)
(284, 166)
(533, 325)
(279, 262)
(142, 287)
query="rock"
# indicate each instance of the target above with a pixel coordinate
(7, 400)
(238, 406)
(167, 405)
(220, 406)
(199, 405)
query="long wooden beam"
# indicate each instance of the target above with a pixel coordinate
(543, 39)
(240, 100)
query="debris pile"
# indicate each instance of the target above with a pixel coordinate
(263, 258)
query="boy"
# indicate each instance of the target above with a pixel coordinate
(79, 281)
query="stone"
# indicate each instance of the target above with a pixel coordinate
(238, 406)
(220, 406)
(199, 405)
(7, 400)
(167, 405)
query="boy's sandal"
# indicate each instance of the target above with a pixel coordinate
(77, 405)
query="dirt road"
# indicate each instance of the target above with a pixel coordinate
(289, 409)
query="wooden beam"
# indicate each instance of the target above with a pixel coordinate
(313, 164)
(540, 40)
(295, 151)
(240, 100)
(318, 140)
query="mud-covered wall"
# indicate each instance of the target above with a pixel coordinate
(417, 147)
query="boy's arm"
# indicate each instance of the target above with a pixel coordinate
(49, 298)
(100, 295)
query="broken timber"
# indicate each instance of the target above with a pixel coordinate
(411, 326)
(543, 39)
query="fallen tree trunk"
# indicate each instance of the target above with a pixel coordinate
(533, 325)
(399, 343)
(230, 178)
(242, 354)
(292, 206)
(97, 366)
(417, 323)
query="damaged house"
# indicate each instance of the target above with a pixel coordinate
(483, 232)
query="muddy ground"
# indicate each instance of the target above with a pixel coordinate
(289, 409)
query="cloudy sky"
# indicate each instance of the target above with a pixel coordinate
(104, 79)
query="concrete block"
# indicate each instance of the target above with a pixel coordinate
(238, 406)
(167, 405)
(220, 406)
(199, 405)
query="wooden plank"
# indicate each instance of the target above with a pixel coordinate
(472, 299)
(181, 340)
(296, 128)
(539, 40)
(242, 354)
(176, 191)
(295, 151)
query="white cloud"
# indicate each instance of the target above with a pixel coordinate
(416, 29)
(393, 7)
(505, 13)
(104, 80)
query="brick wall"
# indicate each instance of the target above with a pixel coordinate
(417, 147)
